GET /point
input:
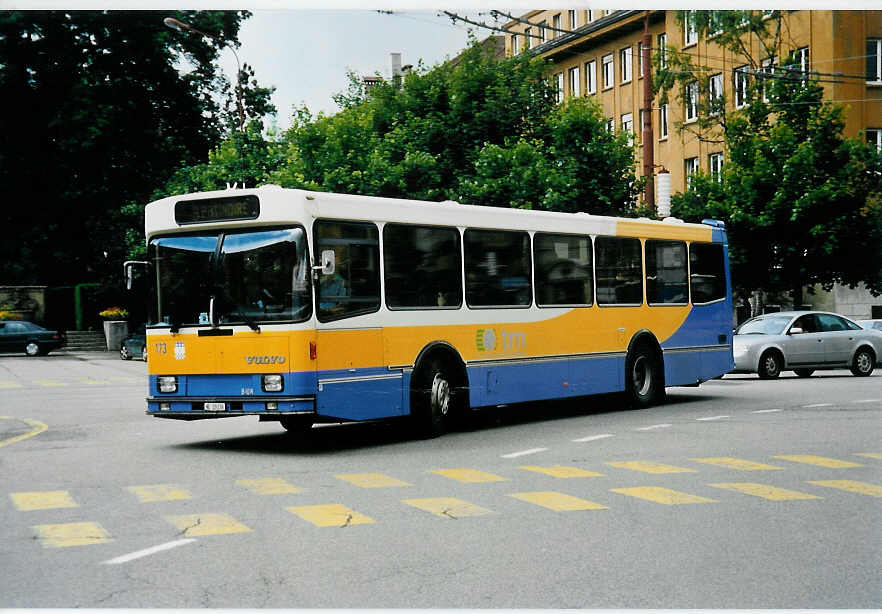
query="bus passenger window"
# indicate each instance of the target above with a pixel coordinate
(708, 274)
(619, 271)
(423, 267)
(498, 268)
(563, 270)
(666, 272)
(354, 287)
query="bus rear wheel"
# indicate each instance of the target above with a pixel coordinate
(432, 398)
(644, 383)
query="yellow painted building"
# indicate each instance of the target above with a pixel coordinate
(597, 53)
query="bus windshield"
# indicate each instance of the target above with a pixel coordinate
(257, 276)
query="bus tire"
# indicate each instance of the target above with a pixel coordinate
(432, 397)
(644, 377)
(296, 425)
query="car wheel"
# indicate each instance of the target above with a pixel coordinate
(643, 378)
(32, 349)
(864, 362)
(770, 365)
(804, 372)
(124, 353)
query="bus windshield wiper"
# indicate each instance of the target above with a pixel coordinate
(248, 320)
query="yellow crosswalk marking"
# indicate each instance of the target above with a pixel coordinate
(371, 480)
(159, 492)
(665, 496)
(820, 461)
(71, 534)
(47, 500)
(269, 486)
(469, 475)
(332, 515)
(561, 471)
(736, 463)
(650, 467)
(861, 488)
(8, 385)
(558, 502)
(448, 507)
(876, 455)
(771, 493)
(49, 382)
(198, 525)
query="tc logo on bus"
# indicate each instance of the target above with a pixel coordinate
(486, 340)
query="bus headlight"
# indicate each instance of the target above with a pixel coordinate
(272, 383)
(167, 383)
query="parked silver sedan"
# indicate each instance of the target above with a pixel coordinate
(804, 341)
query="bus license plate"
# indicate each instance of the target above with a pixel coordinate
(215, 407)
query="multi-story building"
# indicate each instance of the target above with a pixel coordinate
(599, 53)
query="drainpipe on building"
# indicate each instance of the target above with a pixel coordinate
(648, 144)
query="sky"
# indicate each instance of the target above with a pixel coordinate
(306, 54)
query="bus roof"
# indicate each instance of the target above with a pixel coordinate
(284, 206)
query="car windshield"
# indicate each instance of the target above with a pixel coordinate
(764, 325)
(258, 276)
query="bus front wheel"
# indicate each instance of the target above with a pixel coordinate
(296, 425)
(644, 383)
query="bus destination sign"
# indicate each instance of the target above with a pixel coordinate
(217, 209)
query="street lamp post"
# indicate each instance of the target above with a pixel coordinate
(180, 26)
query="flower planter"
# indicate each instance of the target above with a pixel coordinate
(115, 331)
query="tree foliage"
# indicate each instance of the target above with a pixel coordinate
(803, 204)
(97, 114)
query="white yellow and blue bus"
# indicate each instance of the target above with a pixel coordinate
(304, 307)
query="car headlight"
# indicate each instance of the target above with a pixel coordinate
(167, 383)
(272, 383)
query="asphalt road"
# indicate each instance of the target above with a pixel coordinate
(739, 494)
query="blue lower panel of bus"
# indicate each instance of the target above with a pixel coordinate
(534, 380)
(364, 395)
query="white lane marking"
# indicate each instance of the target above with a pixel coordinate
(712, 418)
(818, 405)
(592, 438)
(766, 411)
(868, 401)
(654, 426)
(147, 552)
(524, 452)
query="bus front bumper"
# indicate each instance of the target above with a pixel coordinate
(201, 408)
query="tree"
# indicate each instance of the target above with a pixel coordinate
(802, 203)
(96, 114)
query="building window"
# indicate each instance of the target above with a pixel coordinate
(611, 126)
(591, 77)
(874, 60)
(662, 50)
(514, 44)
(528, 38)
(626, 60)
(644, 117)
(608, 76)
(573, 19)
(542, 32)
(628, 126)
(555, 21)
(559, 87)
(715, 162)
(690, 101)
(766, 71)
(874, 137)
(663, 122)
(640, 58)
(802, 60)
(690, 36)
(715, 93)
(590, 15)
(739, 78)
(715, 26)
(574, 81)
(691, 167)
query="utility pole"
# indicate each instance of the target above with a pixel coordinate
(648, 143)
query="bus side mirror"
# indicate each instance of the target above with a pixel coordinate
(329, 261)
(128, 267)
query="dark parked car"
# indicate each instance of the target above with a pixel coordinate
(134, 346)
(33, 340)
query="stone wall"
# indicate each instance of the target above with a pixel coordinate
(854, 303)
